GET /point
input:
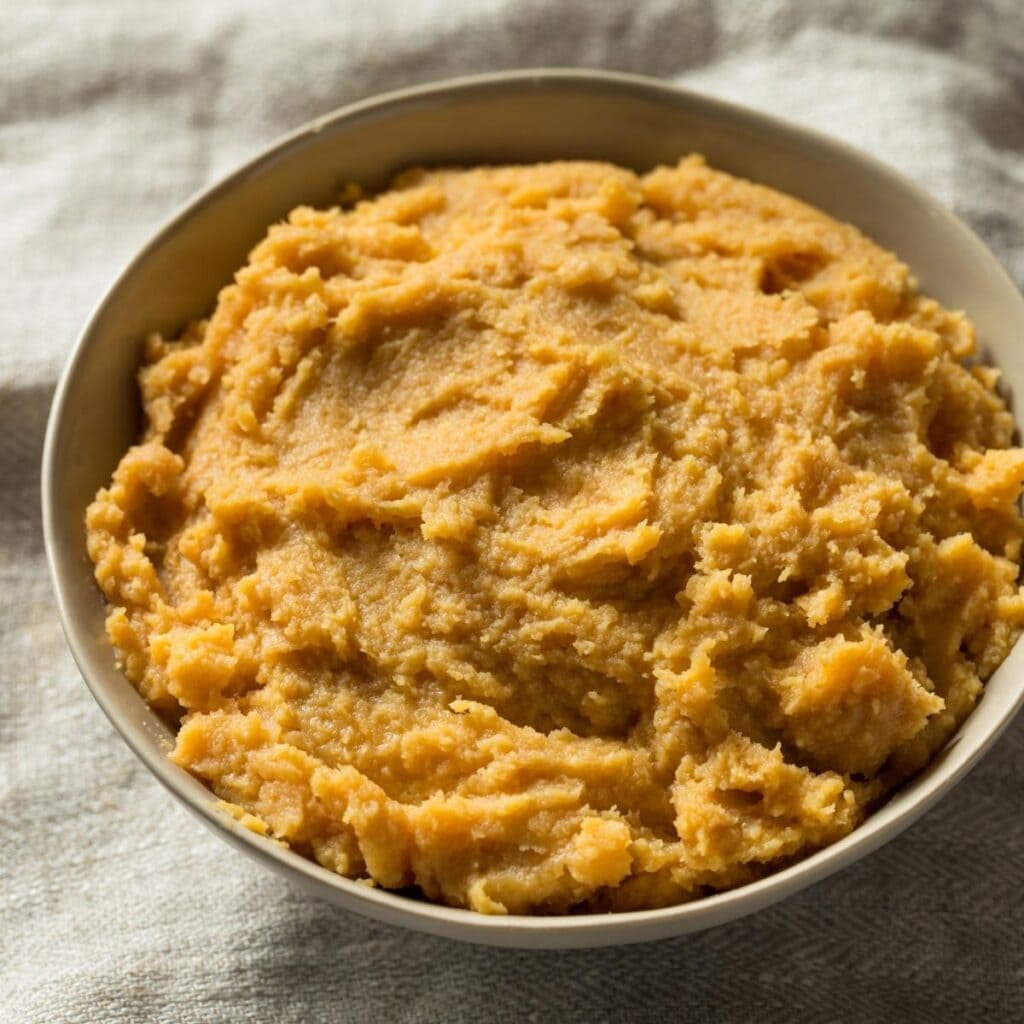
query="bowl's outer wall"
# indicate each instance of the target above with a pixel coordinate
(492, 119)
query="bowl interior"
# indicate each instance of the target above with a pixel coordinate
(493, 119)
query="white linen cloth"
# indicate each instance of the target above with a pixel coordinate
(117, 906)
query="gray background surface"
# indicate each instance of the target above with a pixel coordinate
(116, 906)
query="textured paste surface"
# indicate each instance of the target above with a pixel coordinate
(552, 537)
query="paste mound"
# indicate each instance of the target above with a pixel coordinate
(553, 537)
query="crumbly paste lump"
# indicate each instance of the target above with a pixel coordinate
(554, 538)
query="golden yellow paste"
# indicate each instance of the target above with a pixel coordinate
(555, 537)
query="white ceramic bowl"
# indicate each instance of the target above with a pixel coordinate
(523, 116)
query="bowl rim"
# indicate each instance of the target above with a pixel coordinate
(535, 931)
